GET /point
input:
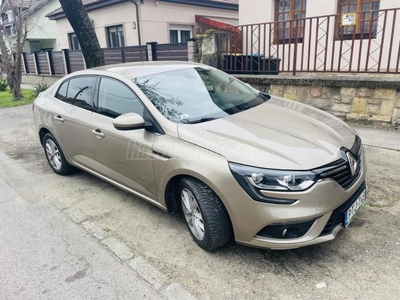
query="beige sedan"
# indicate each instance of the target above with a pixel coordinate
(266, 171)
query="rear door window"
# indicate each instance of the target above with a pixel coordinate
(80, 92)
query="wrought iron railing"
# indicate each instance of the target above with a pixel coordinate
(362, 42)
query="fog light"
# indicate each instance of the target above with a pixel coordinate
(286, 231)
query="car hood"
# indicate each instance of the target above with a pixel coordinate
(279, 134)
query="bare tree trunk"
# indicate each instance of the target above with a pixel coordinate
(80, 22)
(11, 62)
(14, 82)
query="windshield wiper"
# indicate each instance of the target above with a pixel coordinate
(265, 96)
(202, 120)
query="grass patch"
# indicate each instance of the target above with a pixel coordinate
(6, 99)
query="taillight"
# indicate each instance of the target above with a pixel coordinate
(33, 106)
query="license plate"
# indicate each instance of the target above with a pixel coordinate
(354, 208)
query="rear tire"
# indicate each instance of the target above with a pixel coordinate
(55, 156)
(205, 214)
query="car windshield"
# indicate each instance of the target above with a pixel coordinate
(200, 94)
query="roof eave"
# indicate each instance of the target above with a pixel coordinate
(105, 3)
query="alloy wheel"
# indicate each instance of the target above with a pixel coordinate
(53, 154)
(193, 215)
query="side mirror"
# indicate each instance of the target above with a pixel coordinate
(130, 121)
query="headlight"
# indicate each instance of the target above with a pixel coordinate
(253, 180)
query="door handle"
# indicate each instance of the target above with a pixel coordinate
(98, 133)
(59, 119)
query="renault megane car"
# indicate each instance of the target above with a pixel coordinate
(238, 163)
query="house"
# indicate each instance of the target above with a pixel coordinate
(321, 35)
(41, 31)
(134, 22)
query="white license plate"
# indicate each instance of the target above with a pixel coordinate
(354, 208)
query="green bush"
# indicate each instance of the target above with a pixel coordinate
(41, 87)
(3, 85)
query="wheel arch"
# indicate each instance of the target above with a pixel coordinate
(42, 132)
(172, 200)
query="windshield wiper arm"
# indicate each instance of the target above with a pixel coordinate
(265, 96)
(206, 119)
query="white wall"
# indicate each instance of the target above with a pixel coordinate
(262, 11)
(155, 21)
(119, 14)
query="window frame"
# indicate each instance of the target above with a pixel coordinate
(71, 43)
(156, 128)
(109, 37)
(180, 28)
(292, 11)
(357, 34)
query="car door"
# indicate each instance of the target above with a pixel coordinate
(124, 156)
(71, 117)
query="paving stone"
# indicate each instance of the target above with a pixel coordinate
(96, 231)
(148, 272)
(176, 292)
(76, 215)
(119, 248)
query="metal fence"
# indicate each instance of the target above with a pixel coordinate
(359, 42)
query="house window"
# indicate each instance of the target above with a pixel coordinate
(73, 42)
(115, 36)
(180, 34)
(367, 21)
(286, 10)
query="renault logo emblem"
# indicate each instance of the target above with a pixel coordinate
(352, 163)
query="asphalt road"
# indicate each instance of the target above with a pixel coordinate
(78, 237)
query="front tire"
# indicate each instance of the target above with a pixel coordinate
(205, 215)
(55, 156)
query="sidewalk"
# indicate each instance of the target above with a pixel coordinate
(43, 255)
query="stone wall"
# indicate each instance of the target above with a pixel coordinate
(368, 100)
(206, 45)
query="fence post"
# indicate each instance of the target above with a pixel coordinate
(84, 61)
(122, 55)
(295, 47)
(50, 61)
(152, 51)
(35, 63)
(66, 61)
(191, 43)
(23, 61)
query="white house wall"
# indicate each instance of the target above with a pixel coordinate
(119, 14)
(155, 21)
(262, 11)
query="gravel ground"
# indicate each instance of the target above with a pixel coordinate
(363, 262)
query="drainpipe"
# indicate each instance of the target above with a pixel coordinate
(138, 21)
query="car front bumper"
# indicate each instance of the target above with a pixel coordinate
(317, 204)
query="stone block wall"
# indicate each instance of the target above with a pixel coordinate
(351, 100)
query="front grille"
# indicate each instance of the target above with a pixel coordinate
(337, 216)
(340, 170)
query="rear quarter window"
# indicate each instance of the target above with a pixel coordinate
(62, 91)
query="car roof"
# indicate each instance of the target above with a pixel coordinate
(141, 69)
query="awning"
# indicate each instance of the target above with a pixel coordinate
(217, 22)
